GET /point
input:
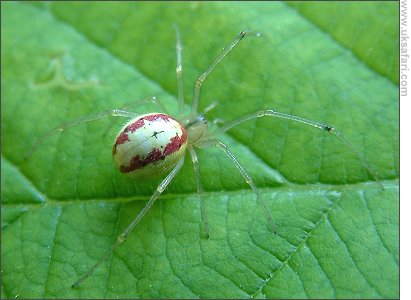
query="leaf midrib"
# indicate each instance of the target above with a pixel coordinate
(313, 188)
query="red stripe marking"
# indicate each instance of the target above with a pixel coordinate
(138, 163)
(121, 139)
(175, 143)
(157, 116)
(134, 126)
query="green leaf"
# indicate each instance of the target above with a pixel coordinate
(63, 208)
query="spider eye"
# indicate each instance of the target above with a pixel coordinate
(202, 119)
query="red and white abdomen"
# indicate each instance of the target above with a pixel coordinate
(149, 145)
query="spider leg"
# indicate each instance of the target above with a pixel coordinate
(200, 190)
(219, 58)
(179, 72)
(218, 121)
(86, 119)
(211, 106)
(247, 178)
(315, 124)
(122, 237)
(145, 100)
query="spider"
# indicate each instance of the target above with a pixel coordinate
(156, 143)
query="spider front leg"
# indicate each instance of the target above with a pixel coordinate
(220, 57)
(315, 124)
(244, 174)
(86, 119)
(122, 237)
(179, 72)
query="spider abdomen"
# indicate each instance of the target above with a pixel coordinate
(149, 145)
